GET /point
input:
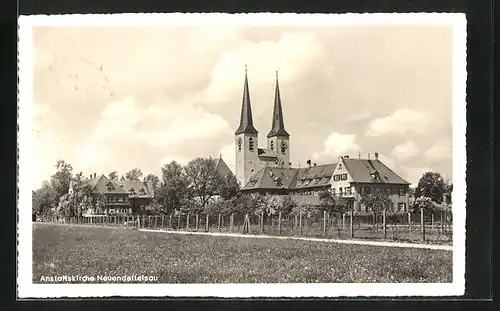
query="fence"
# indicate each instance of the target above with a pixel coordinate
(430, 226)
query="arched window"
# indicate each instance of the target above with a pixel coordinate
(283, 147)
(271, 145)
(250, 144)
(239, 144)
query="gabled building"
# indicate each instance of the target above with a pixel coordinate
(268, 170)
(119, 197)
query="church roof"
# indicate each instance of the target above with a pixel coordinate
(278, 125)
(222, 167)
(267, 153)
(361, 169)
(246, 120)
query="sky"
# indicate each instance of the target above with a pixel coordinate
(117, 98)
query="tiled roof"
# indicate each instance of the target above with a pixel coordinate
(222, 167)
(320, 176)
(140, 189)
(360, 170)
(267, 153)
(100, 185)
(314, 176)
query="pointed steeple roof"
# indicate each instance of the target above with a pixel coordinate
(246, 120)
(278, 127)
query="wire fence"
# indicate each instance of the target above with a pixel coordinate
(411, 227)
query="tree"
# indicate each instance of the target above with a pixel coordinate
(113, 175)
(134, 174)
(203, 180)
(431, 185)
(424, 203)
(60, 181)
(229, 187)
(154, 180)
(172, 193)
(377, 201)
(330, 203)
(43, 199)
(77, 201)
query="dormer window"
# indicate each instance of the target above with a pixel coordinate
(132, 191)
(109, 187)
(142, 191)
(340, 166)
(250, 144)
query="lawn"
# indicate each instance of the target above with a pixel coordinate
(173, 258)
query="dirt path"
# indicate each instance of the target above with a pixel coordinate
(359, 242)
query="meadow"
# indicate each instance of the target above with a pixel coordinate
(174, 258)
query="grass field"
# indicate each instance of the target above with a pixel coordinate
(74, 250)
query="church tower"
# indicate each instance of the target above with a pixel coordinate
(278, 138)
(246, 140)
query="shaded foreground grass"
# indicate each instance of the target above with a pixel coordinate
(72, 250)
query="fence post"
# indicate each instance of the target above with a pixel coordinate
(196, 222)
(206, 224)
(432, 220)
(409, 222)
(138, 222)
(231, 222)
(324, 223)
(187, 222)
(170, 221)
(343, 221)
(422, 223)
(156, 221)
(222, 221)
(384, 223)
(295, 222)
(262, 222)
(300, 222)
(279, 222)
(91, 219)
(218, 223)
(162, 221)
(179, 222)
(442, 223)
(352, 223)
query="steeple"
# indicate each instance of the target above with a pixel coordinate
(246, 120)
(278, 127)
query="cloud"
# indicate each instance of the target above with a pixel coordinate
(169, 158)
(93, 156)
(400, 123)
(413, 174)
(405, 151)
(359, 116)
(439, 151)
(335, 145)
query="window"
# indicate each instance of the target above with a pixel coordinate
(388, 190)
(348, 190)
(333, 191)
(402, 191)
(271, 145)
(250, 144)
(401, 207)
(366, 190)
(283, 147)
(340, 166)
(344, 176)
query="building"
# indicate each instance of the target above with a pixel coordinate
(119, 197)
(269, 171)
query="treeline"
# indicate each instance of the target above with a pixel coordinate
(198, 187)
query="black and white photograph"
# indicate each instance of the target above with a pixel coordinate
(242, 155)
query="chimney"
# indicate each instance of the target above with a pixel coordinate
(95, 175)
(314, 164)
(368, 156)
(376, 155)
(290, 164)
(90, 175)
(346, 156)
(309, 163)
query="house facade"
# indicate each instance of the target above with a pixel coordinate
(269, 171)
(118, 197)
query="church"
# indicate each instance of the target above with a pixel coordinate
(269, 170)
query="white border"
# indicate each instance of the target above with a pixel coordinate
(26, 289)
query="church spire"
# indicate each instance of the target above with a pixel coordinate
(278, 126)
(246, 120)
